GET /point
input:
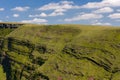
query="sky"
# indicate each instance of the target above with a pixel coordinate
(89, 12)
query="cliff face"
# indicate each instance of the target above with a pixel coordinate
(10, 25)
(3, 33)
(35, 52)
(22, 62)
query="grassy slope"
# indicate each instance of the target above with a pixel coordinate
(2, 74)
(78, 52)
(4, 32)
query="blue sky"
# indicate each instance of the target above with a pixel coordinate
(93, 12)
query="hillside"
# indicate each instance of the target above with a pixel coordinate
(3, 33)
(61, 52)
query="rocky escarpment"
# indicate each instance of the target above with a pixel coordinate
(10, 25)
(61, 52)
(18, 60)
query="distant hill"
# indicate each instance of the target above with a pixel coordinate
(61, 52)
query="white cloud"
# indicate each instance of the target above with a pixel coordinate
(35, 20)
(61, 6)
(43, 15)
(21, 8)
(46, 15)
(103, 3)
(2, 9)
(39, 15)
(99, 23)
(60, 10)
(56, 14)
(104, 10)
(67, 2)
(50, 6)
(86, 16)
(16, 15)
(114, 16)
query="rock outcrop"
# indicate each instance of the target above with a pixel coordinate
(10, 25)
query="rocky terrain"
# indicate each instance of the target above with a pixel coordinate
(10, 25)
(60, 52)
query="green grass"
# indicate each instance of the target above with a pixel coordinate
(4, 32)
(19, 58)
(70, 52)
(2, 74)
(68, 67)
